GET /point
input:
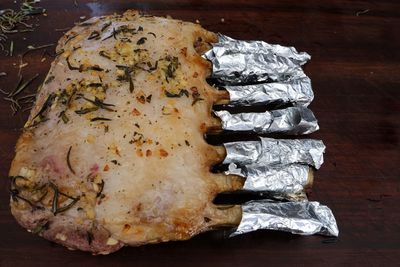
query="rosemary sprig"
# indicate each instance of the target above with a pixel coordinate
(15, 178)
(100, 104)
(105, 26)
(22, 87)
(68, 161)
(40, 228)
(15, 196)
(54, 207)
(181, 93)
(33, 48)
(64, 117)
(100, 119)
(11, 48)
(46, 105)
(10, 19)
(85, 110)
(94, 35)
(12, 96)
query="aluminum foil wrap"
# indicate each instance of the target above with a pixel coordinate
(288, 179)
(292, 120)
(244, 62)
(297, 92)
(269, 151)
(305, 218)
(255, 72)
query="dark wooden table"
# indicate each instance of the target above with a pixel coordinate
(355, 69)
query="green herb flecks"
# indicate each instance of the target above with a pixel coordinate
(105, 26)
(40, 227)
(55, 205)
(99, 119)
(100, 104)
(171, 67)
(181, 93)
(124, 29)
(86, 110)
(83, 67)
(126, 76)
(49, 79)
(70, 66)
(100, 189)
(141, 41)
(105, 54)
(32, 48)
(64, 117)
(68, 160)
(40, 116)
(24, 102)
(94, 35)
(11, 19)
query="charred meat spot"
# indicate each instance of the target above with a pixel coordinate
(135, 112)
(163, 153)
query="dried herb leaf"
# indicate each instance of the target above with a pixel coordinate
(181, 93)
(68, 160)
(100, 119)
(141, 41)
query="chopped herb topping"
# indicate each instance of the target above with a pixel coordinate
(40, 115)
(141, 41)
(49, 79)
(181, 93)
(83, 67)
(64, 117)
(68, 161)
(105, 26)
(55, 209)
(94, 35)
(105, 54)
(86, 110)
(41, 227)
(171, 67)
(100, 119)
(100, 104)
(70, 38)
(100, 189)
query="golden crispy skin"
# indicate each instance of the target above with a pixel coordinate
(113, 153)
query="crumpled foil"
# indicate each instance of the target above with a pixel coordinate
(297, 92)
(288, 179)
(244, 62)
(269, 151)
(251, 47)
(255, 72)
(305, 218)
(292, 120)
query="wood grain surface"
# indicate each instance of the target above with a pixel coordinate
(355, 69)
